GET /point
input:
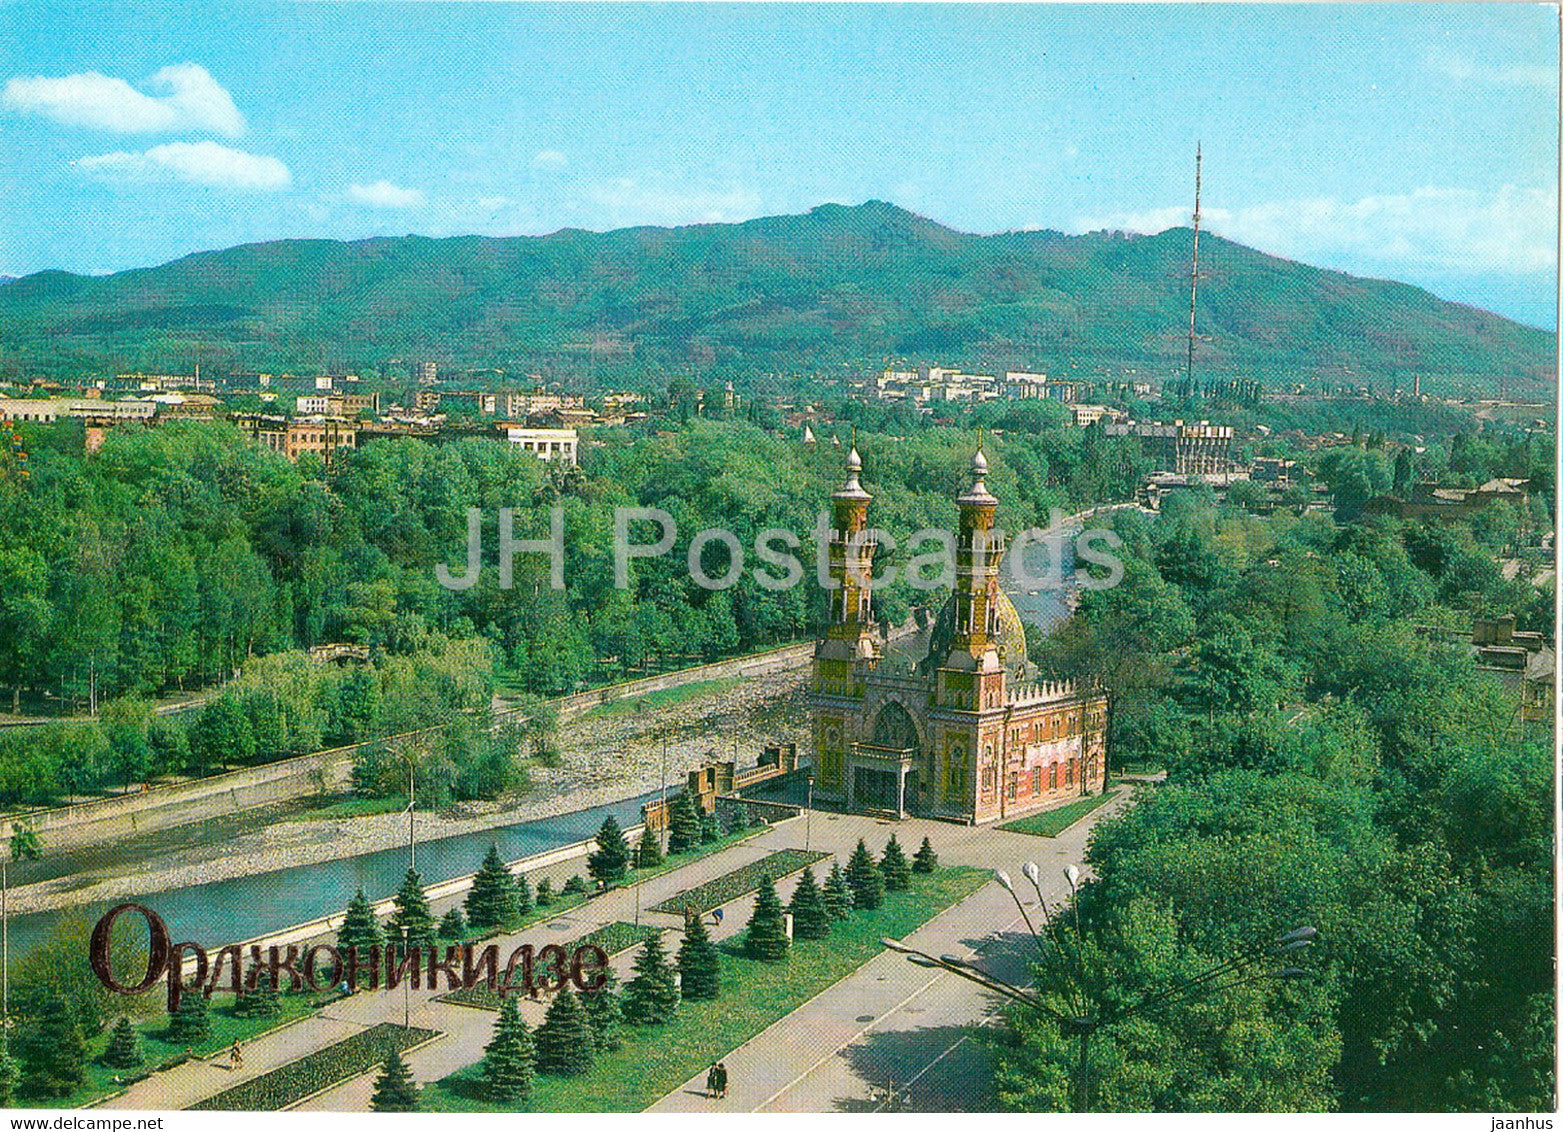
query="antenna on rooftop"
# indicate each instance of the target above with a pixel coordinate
(1188, 371)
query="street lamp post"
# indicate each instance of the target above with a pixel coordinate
(1085, 1018)
(808, 817)
(5, 947)
(412, 865)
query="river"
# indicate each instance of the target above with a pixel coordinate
(227, 911)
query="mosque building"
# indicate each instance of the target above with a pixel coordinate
(964, 732)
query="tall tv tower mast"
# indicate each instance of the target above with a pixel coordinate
(1188, 371)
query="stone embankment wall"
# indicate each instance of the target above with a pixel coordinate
(175, 804)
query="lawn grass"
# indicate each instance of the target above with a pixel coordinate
(353, 808)
(739, 882)
(664, 697)
(291, 1083)
(1050, 823)
(158, 1051)
(657, 1059)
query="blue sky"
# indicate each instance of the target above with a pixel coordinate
(1409, 141)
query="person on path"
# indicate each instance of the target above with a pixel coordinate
(711, 1081)
(721, 1081)
(235, 1058)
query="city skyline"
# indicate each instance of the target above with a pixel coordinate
(1411, 142)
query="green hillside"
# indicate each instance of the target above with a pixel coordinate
(838, 290)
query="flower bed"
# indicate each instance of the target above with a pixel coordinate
(740, 882)
(291, 1083)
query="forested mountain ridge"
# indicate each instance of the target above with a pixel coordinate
(837, 291)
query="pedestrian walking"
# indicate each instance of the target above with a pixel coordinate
(235, 1058)
(711, 1081)
(721, 1081)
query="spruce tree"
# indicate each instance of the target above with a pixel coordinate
(648, 854)
(192, 1022)
(766, 937)
(359, 927)
(651, 996)
(611, 860)
(509, 1058)
(52, 1051)
(545, 893)
(683, 825)
(864, 878)
(124, 1048)
(710, 828)
(395, 1091)
(898, 877)
(263, 1000)
(926, 860)
(453, 925)
(837, 893)
(699, 965)
(604, 1014)
(411, 924)
(564, 1040)
(491, 902)
(810, 917)
(524, 902)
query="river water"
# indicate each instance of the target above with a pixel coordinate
(227, 911)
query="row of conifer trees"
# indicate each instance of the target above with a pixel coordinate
(580, 1027)
(498, 899)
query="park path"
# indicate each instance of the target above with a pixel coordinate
(891, 1023)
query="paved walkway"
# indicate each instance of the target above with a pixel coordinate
(887, 1020)
(892, 1024)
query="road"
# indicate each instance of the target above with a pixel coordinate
(891, 1023)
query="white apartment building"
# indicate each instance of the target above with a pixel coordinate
(550, 444)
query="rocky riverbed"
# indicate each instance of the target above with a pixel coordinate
(606, 755)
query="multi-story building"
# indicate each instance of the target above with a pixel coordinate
(935, 383)
(164, 382)
(80, 408)
(963, 732)
(1021, 386)
(550, 444)
(323, 436)
(1087, 415)
(1187, 449)
(519, 406)
(337, 404)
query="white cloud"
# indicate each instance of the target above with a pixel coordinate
(383, 194)
(631, 200)
(193, 101)
(202, 163)
(1511, 231)
(550, 159)
(1464, 70)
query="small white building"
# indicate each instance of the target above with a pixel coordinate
(546, 443)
